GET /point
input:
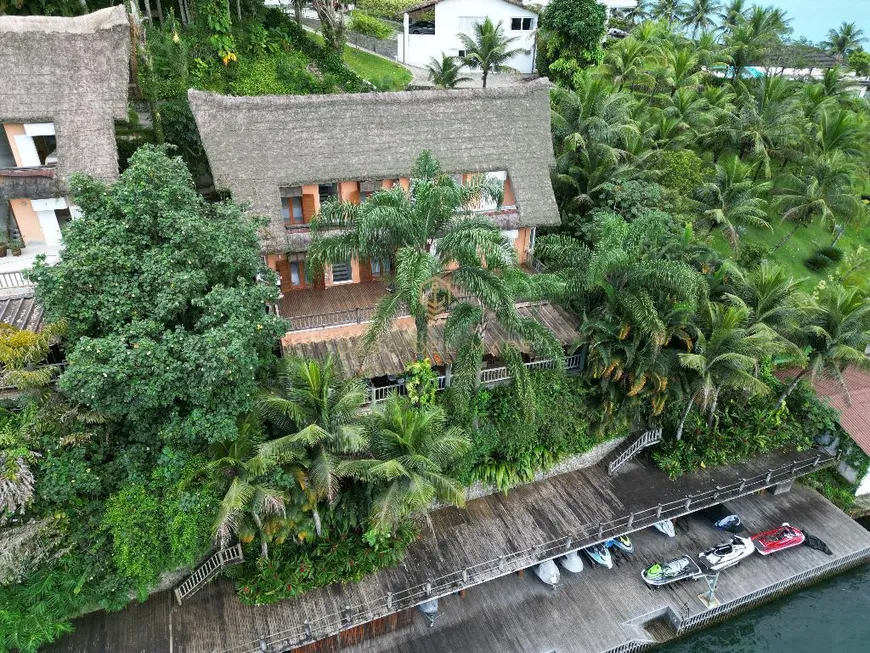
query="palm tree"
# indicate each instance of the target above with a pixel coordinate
(488, 49)
(841, 42)
(319, 411)
(822, 190)
(17, 481)
(698, 15)
(837, 329)
(840, 130)
(626, 64)
(668, 10)
(732, 14)
(251, 496)
(412, 451)
(23, 355)
(732, 199)
(445, 73)
(639, 13)
(725, 355)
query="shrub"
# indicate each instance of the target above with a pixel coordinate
(833, 253)
(751, 255)
(569, 38)
(818, 262)
(393, 9)
(370, 26)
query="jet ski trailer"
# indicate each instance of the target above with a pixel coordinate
(676, 569)
(727, 554)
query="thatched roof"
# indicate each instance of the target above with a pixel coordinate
(72, 72)
(256, 145)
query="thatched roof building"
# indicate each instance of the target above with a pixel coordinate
(256, 145)
(73, 72)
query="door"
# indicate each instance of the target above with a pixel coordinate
(50, 227)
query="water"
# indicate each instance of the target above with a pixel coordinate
(830, 617)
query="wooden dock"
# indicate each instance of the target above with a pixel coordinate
(601, 610)
(491, 538)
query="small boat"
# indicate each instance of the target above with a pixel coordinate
(599, 554)
(622, 543)
(548, 572)
(727, 554)
(571, 562)
(778, 539)
(681, 568)
(665, 526)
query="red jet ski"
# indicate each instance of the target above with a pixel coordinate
(783, 537)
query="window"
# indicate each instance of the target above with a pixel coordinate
(367, 188)
(327, 192)
(380, 267)
(291, 206)
(462, 54)
(295, 274)
(341, 273)
(522, 24)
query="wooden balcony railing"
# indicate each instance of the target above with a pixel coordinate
(9, 280)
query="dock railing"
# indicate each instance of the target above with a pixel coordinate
(327, 625)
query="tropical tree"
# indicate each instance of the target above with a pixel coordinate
(732, 14)
(844, 40)
(821, 190)
(319, 412)
(447, 72)
(626, 64)
(725, 355)
(668, 11)
(331, 17)
(836, 324)
(412, 450)
(23, 355)
(251, 495)
(438, 244)
(488, 50)
(17, 480)
(732, 199)
(698, 15)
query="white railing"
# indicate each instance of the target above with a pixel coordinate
(13, 280)
(646, 439)
(489, 376)
(326, 625)
(208, 570)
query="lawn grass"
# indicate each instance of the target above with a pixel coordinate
(801, 246)
(383, 73)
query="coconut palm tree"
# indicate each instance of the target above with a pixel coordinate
(318, 410)
(821, 190)
(732, 14)
(626, 64)
(732, 199)
(639, 13)
(445, 73)
(840, 130)
(17, 481)
(437, 242)
(488, 50)
(841, 42)
(668, 10)
(724, 355)
(698, 15)
(251, 495)
(837, 329)
(412, 450)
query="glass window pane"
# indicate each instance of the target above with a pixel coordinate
(297, 210)
(516, 23)
(294, 274)
(285, 211)
(376, 267)
(341, 272)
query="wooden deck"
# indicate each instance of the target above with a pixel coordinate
(454, 545)
(599, 609)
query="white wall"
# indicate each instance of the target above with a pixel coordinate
(864, 487)
(452, 17)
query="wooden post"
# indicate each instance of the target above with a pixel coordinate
(659, 512)
(742, 485)
(688, 502)
(428, 588)
(307, 629)
(716, 492)
(465, 576)
(389, 600)
(630, 519)
(346, 613)
(600, 529)
(568, 541)
(769, 474)
(793, 468)
(501, 563)
(817, 460)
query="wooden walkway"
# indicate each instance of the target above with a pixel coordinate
(598, 609)
(452, 540)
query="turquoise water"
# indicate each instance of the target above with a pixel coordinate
(813, 19)
(831, 617)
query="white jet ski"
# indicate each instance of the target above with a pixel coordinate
(571, 562)
(665, 526)
(548, 572)
(727, 554)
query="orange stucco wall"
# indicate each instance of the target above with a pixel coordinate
(12, 130)
(28, 222)
(522, 242)
(346, 189)
(509, 199)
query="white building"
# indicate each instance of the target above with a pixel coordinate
(419, 41)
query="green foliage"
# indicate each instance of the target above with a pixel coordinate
(278, 74)
(832, 486)
(818, 261)
(369, 25)
(834, 253)
(751, 255)
(160, 288)
(392, 9)
(569, 36)
(421, 382)
(344, 557)
(860, 62)
(682, 171)
(512, 443)
(133, 517)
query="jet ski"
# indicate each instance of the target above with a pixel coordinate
(778, 539)
(665, 526)
(727, 554)
(681, 568)
(599, 554)
(571, 562)
(548, 572)
(724, 518)
(622, 543)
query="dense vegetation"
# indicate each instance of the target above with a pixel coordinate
(713, 235)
